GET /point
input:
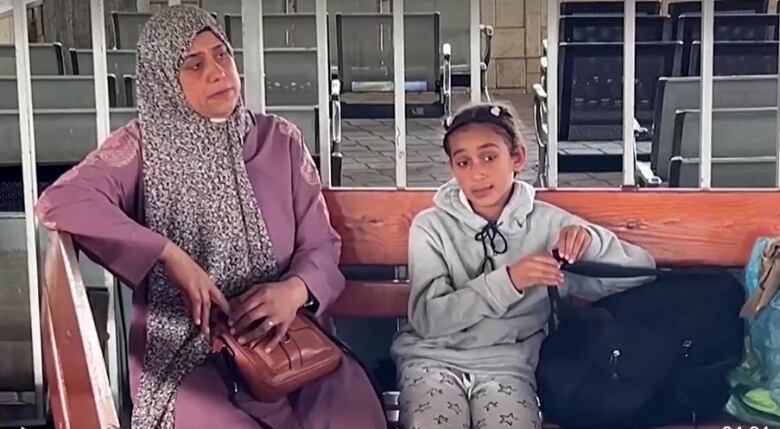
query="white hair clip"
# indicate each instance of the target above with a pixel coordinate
(495, 111)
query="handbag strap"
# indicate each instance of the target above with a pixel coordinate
(559, 309)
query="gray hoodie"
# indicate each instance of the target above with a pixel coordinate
(479, 322)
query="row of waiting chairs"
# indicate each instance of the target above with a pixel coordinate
(454, 14)
(363, 60)
(727, 27)
(591, 88)
(653, 7)
(744, 133)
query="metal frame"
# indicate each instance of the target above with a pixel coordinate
(254, 58)
(475, 50)
(552, 94)
(103, 130)
(323, 91)
(30, 184)
(705, 148)
(629, 66)
(399, 88)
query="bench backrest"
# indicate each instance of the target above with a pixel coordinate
(738, 57)
(62, 136)
(119, 62)
(609, 28)
(365, 52)
(591, 91)
(728, 26)
(677, 8)
(290, 76)
(650, 7)
(454, 24)
(735, 132)
(678, 227)
(279, 30)
(127, 28)
(305, 117)
(680, 93)
(45, 59)
(737, 172)
(57, 92)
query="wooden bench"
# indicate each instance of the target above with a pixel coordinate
(679, 227)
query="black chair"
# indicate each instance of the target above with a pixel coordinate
(610, 7)
(727, 6)
(609, 28)
(591, 95)
(728, 27)
(732, 58)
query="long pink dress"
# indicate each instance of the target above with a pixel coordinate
(100, 203)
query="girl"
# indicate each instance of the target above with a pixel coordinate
(476, 259)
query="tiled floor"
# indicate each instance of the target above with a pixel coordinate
(369, 152)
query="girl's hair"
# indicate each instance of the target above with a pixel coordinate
(502, 117)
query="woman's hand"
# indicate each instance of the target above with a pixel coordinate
(573, 241)
(275, 305)
(197, 287)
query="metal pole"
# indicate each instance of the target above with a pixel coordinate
(399, 67)
(254, 56)
(30, 185)
(103, 123)
(705, 145)
(475, 51)
(552, 94)
(629, 64)
(323, 91)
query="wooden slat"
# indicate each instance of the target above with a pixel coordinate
(74, 365)
(679, 227)
(372, 299)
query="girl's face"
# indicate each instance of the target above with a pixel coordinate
(484, 167)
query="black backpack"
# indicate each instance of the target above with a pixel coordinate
(653, 355)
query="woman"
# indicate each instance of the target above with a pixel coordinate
(199, 203)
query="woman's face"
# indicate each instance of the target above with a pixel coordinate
(209, 78)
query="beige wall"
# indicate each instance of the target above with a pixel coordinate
(517, 44)
(6, 29)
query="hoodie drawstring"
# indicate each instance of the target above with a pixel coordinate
(490, 235)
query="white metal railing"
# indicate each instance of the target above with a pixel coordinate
(30, 186)
(629, 65)
(100, 77)
(399, 76)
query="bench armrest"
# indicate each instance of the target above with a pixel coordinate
(335, 104)
(446, 92)
(541, 131)
(645, 175)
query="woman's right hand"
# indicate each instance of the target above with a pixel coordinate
(197, 287)
(535, 270)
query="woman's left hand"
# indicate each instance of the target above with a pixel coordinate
(573, 241)
(275, 304)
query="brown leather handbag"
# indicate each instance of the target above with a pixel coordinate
(303, 356)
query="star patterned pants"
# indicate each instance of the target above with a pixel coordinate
(434, 395)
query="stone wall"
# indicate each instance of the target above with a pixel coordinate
(517, 44)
